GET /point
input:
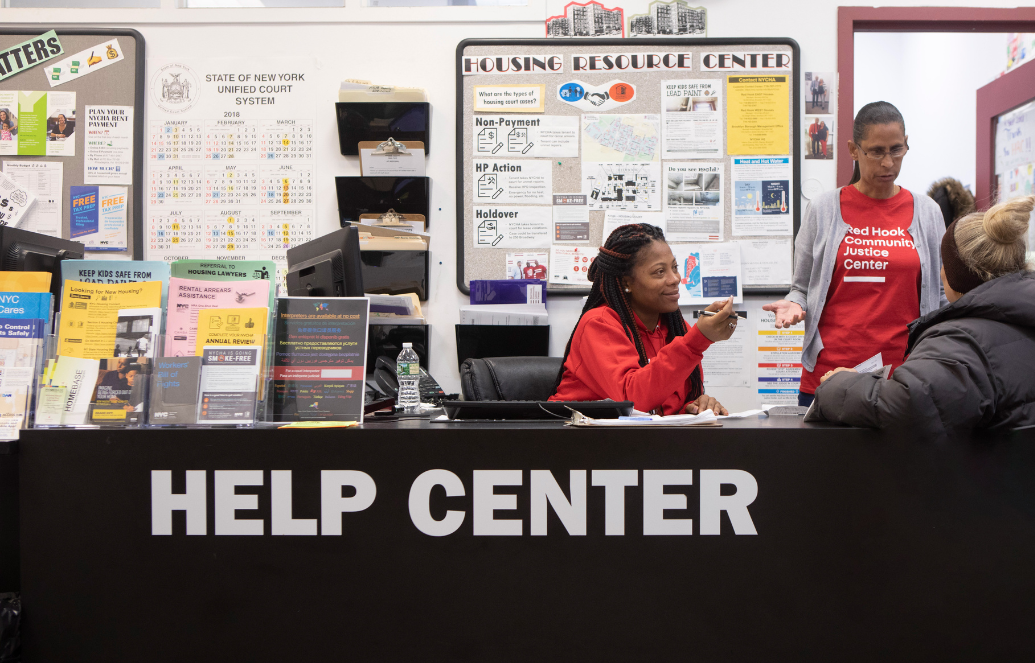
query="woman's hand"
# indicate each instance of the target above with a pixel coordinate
(839, 369)
(720, 326)
(787, 313)
(705, 402)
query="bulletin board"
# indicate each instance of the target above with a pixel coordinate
(636, 88)
(120, 83)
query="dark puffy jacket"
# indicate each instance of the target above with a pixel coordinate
(970, 365)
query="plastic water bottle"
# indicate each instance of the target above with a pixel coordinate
(407, 371)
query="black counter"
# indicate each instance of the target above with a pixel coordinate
(868, 545)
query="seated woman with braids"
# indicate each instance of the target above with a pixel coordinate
(631, 342)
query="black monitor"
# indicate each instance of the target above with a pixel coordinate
(377, 195)
(328, 266)
(26, 251)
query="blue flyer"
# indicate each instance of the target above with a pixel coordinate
(98, 217)
(85, 214)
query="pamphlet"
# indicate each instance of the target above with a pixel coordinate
(25, 305)
(97, 217)
(25, 281)
(90, 315)
(78, 376)
(231, 326)
(174, 391)
(228, 270)
(136, 332)
(234, 327)
(20, 342)
(121, 392)
(188, 296)
(229, 378)
(50, 406)
(39, 123)
(319, 358)
(710, 272)
(117, 271)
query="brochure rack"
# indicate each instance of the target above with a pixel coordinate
(73, 392)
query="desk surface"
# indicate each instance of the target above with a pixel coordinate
(868, 546)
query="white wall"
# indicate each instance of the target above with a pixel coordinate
(936, 94)
(418, 48)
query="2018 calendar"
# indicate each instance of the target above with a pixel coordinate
(231, 164)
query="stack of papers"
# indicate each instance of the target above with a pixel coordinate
(506, 302)
(365, 91)
(505, 314)
(706, 418)
(396, 310)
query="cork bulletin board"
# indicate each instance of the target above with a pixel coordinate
(120, 83)
(642, 146)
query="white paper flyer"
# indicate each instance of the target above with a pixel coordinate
(694, 202)
(524, 136)
(519, 181)
(709, 272)
(620, 138)
(108, 145)
(42, 178)
(614, 219)
(692, 119)
(512, 227)
(570, 264)
(623, 186)
(762, 200)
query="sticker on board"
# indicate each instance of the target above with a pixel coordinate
(596, 97)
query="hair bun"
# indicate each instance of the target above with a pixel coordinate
(1008, 222)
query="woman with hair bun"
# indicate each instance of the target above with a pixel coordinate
(972, 363)
(631, 342)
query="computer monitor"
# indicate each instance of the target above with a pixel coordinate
(328, 266)
(26, 251)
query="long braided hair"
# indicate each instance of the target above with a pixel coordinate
(615, 260)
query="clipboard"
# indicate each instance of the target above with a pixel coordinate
(392, 158)
(392, 220)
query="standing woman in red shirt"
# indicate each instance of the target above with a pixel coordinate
(866, 259)
(631, 342)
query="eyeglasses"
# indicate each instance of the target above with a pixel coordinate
(895, 153)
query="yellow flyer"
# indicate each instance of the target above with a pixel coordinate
(231, 326)
(758, 118)
(25, 281)
(90, 314)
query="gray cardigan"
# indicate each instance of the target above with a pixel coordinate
(815, 251)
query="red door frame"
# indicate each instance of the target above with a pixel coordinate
(912, 19)
(1001, 95)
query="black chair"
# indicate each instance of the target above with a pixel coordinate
(509, 378)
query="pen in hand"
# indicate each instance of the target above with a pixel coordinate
(711, 313)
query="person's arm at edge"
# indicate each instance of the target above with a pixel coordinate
(948, 363)
(803, 258)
